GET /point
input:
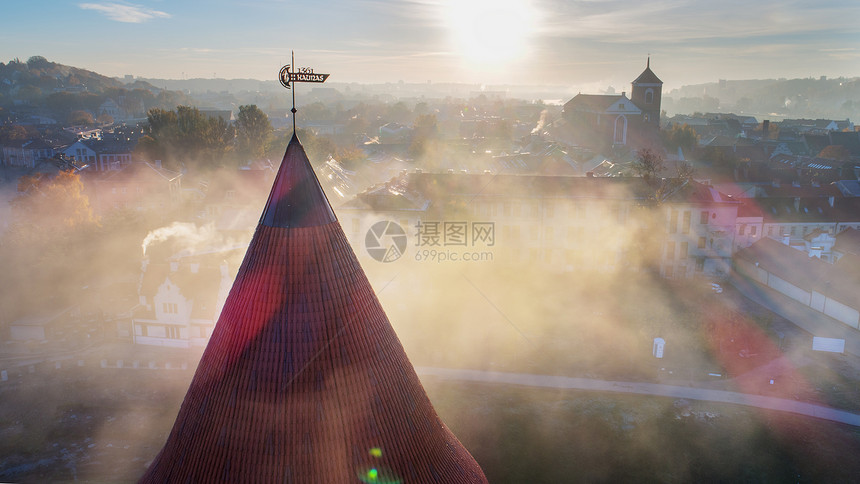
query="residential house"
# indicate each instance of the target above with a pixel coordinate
(26, 154)
(180, 299)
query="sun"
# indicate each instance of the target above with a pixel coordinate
(490, 31)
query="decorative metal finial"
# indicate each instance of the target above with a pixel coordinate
(302, 74)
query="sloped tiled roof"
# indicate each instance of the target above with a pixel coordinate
(648, 76)
(591, 102)
(304, 379)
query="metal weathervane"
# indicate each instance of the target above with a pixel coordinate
(301, 74)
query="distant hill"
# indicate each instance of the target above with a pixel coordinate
(40, 74)
(837, 98)
(47, 88)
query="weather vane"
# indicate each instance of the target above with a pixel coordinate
(302, 74)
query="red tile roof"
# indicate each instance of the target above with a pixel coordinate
(304, 379)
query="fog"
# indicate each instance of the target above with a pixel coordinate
(576, 291)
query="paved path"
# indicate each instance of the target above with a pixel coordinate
(692, 393)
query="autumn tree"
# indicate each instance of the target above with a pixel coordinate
(253, 131)
(351, 157)
(81, 118)
(835, 152)
(49, 247)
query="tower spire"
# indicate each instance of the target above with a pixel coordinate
(304, 378)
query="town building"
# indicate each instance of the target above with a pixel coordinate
(604, 121)
(181, 298)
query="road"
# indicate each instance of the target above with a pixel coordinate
(692, 393)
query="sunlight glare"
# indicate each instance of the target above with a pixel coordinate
(487, 31)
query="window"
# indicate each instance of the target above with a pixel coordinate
(684, 250)
(549, 210)
(649, 96)
(685, 226)
(700, 264)
(770, 231)
(670, 250)
(173, 332)
(741, 229)
(673, 221)
(703, 242)
(548, 233)
(703, 219)
(753, 230)
(170, 308)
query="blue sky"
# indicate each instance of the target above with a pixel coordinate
(588, 43)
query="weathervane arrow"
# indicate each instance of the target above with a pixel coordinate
(304, 74)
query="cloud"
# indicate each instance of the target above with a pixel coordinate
(122, 12)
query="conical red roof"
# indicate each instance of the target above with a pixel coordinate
(304, 379)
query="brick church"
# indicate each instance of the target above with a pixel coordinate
(605, 121)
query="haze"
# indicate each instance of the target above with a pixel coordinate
(578, 43)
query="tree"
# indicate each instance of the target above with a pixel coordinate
(189, 136)
(105, 118)
(649, 163)
(48, 249)
(835, 152)
(351, 157)
(680, 136)
(253, 131)
(81, 118)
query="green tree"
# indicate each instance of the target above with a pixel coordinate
(189, 136)
(680, 136)
(424, 136)
(253, 131)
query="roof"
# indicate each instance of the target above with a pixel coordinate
(297, 199)
(304, 379)
(803, 271)
(592, 102)
(848, 242)
(648, 76)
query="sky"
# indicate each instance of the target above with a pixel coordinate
(494, 42)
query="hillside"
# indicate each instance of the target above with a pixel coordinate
(837, 98)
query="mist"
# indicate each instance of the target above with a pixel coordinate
(519, 261)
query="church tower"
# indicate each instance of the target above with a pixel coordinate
(647, 93)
